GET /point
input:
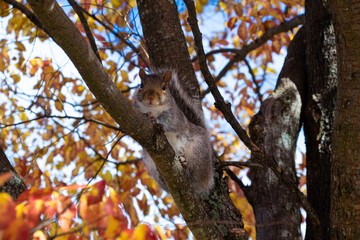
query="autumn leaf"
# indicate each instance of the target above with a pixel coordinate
(242, 31)
(7, 210)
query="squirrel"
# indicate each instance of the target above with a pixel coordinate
(191, 143)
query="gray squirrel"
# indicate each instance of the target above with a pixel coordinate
(191, 142)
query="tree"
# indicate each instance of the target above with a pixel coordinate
(66, 126)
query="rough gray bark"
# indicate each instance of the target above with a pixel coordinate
(345, 167)
(14, 186)
(318, 113)
(275, 130)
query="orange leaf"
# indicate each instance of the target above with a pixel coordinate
(36, 208)
(7, 210)
(144, 232)
(238, 7)
(242, 31)
(18, 230)
(66, 219)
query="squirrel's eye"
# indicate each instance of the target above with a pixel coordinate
(163, 87)
(141, 85)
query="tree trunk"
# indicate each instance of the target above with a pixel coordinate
(345, 169)
(14, 186)
(167, 47)
(275, 130)
(318, 114)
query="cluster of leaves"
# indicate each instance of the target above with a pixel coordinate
(58, 134)
(51, 213)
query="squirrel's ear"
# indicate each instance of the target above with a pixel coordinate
(167, 77)
(142, 73)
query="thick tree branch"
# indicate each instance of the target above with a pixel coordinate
(86, 27)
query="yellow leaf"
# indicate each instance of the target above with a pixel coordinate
(20, 46)
(39, 235)
(108, 177)
(271, 70)
(199, 6)
(16, 78)
(221, 84)
(23, 117)
(124, 76)
(112, 229)
(59, 106)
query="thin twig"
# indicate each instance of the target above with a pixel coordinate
(254, 80)
(86, 27)
(233, 176)
(3, 125)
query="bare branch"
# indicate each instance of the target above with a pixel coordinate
(3, 125)
(254, 80)
(240, 164)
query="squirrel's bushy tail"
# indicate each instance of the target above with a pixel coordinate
(186, 103)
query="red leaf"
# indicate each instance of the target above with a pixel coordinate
(95, 195)
(18, 230)
(231, 22)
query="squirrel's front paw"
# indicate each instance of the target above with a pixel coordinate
(182, 161)
(151, 116)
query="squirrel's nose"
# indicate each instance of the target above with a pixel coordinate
(151, 96)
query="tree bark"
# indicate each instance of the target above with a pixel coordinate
(318, 114)
(275, 130)
(345, 168)
(14, 186)
(167, 47)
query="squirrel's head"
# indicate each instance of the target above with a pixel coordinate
(153, 90)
